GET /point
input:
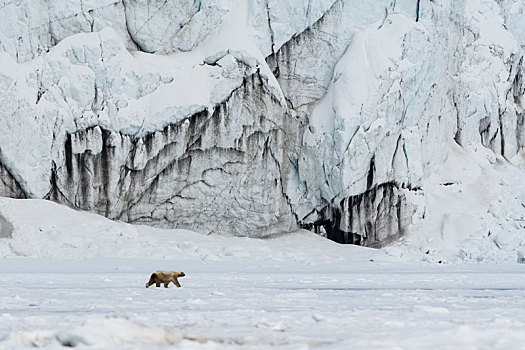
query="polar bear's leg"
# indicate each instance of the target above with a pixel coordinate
(166, 284)
(176, 281)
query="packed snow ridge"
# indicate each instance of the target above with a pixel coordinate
(362, 121)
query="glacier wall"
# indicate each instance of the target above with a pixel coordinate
(255, 117)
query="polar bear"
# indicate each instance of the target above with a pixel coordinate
(164, 277)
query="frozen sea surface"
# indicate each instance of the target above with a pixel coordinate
(74, 279)
(365, 305)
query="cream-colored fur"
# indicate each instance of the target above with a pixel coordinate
(164, 277)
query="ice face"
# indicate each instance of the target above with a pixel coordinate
(256, 117)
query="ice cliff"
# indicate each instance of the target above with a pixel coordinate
(252, 117)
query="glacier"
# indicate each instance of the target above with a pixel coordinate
(258, 117)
